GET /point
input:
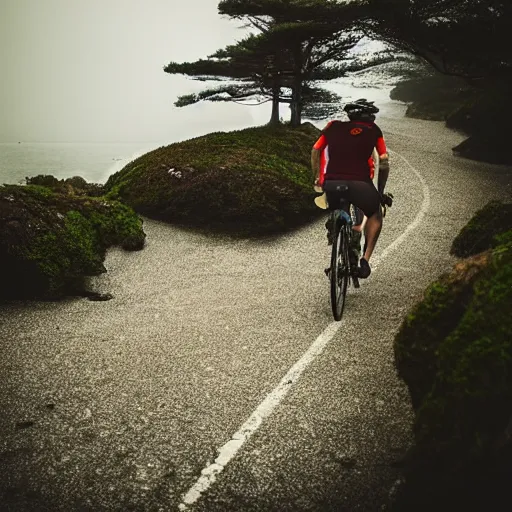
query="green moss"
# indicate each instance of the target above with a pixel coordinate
(40, 191)
(429, 323)
(484, 229)
(474, 369)
(119, 226)
(75, 185)
(252, 181)
(49, 240)
(70, 252)
(455, 353)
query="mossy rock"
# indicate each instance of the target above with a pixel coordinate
(454, 351)
(486, 112)
(433, 97)
(461, 118)
(491, 148)
(470, 403)
(482, 113)
(49, 241)
(429, 111)
(431, 320)
(431, 86)
(484, 229)
(248, 182)
(486, 120)
(75, 185)
(463, 424)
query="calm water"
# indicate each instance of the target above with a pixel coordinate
(97, 161)
(94, 162)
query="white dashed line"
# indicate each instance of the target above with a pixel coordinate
(272, 400)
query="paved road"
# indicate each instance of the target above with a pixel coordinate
(120, 405)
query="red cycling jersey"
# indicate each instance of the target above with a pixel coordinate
(347, 148)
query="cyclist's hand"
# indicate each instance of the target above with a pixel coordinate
(386, 199)
(317, 186)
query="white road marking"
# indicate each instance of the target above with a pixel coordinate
(272, 400)
(425, 205)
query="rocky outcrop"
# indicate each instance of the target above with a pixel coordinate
(482, 113)
(433, 97)
(489, 227)
(52, 236)
(454, 351)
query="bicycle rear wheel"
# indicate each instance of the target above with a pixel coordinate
(340, 271)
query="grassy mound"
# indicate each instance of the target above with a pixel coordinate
(483, 230)
(49, 240)
(454, 351)
(247, 182)
(430, 322)
(486, 147)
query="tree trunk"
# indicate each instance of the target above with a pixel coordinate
(296, 104)
(274, 118)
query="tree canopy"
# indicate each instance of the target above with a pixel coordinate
(285, 61)
(466, 38)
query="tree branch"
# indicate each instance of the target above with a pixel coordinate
(251, 104)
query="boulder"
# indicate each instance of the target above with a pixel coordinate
(50, 240)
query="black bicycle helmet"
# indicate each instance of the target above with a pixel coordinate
(361, 110)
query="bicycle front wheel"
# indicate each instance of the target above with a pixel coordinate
(340, 271)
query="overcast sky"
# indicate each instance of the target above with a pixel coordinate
(92, 70)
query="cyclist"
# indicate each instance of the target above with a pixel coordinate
(344, 152)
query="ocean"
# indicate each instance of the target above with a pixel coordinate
(95, 162)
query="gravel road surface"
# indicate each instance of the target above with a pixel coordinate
(121, 405)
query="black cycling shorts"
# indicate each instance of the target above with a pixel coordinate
(362, 194)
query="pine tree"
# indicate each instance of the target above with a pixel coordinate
(285, 61)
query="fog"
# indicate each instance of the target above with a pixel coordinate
(92, 71)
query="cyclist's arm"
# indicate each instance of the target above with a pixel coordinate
(316, 155)
(383, 163)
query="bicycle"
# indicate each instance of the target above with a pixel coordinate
(344, 261)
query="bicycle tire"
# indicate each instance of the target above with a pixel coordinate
(340, 271)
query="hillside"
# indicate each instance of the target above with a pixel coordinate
(248, 182)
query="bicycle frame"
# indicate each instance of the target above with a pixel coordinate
(343, 268)
(347, 219)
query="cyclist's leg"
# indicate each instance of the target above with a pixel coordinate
(364, 195)
(373, 229)
(333, 201)
(357, 230)
(329, 224)
(360, 219)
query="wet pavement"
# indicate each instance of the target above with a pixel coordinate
(119, 405)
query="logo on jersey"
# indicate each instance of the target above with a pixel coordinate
(356, 131)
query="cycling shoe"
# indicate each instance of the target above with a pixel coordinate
(364, 269)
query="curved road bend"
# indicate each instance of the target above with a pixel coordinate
(121, 405)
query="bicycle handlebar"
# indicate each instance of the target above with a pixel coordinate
(387, 199)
